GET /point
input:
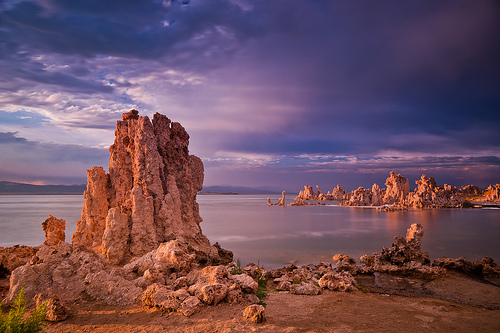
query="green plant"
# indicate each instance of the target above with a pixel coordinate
(14, 321)
(296, 280)
(362, 289)
(261, 292)
(236, 268)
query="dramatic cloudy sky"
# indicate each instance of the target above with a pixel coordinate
(280, 93)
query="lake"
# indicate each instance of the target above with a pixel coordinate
(274, 236)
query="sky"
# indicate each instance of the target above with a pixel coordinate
(277, 93)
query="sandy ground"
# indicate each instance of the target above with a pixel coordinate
(456, 303)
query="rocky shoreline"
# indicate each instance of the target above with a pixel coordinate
(139, 247)
(397, 195)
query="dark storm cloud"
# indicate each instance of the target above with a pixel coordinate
(375, 83)
(140, 29)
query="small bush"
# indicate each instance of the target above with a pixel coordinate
(14, 321)
(262, 291)
(236, 268)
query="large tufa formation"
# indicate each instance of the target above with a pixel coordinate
(397, 195)
(149, 195)
(429, 195)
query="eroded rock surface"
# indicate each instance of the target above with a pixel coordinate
(149, 195)
(14, 257)
(54, 231)
(404, 257)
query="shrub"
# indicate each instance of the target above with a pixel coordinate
(236, 268)
(14, 321)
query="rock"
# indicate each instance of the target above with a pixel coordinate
(173, 256)
(470, 191)
(254, 313)
(14, 257)
(359, 197)
(398, 188)
(211, 293)
(345, 263)
(224, 256)
(485, 267)
(281, 201)
(245, 282)
(304, 289)
(405, 250)
(148, 197)
(190, 306)
(338, 194)
(492, 193)
(111, 289)
(429, 195)
(253, 270)
(56, 310)
(167, 300)
(56, 271)
(306, 194)
(338, 281)
(54, 229)
(284, 285)
(377, 195)
(155, 294)
(404, 257)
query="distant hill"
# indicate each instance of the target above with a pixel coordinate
(239, 190)
(22, 188)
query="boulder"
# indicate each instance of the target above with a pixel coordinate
(245, 283)
(14, 257)
(56, 271)
(213, 293)
(190, 306)
(338, 281)
(56, 310)
(254, 313)
(304, 288)
(485, 267)
(111, 289)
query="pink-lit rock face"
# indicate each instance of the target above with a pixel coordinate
(149, 195)
(54, 231)
(398, 188)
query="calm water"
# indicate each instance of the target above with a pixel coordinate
(273, 236)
